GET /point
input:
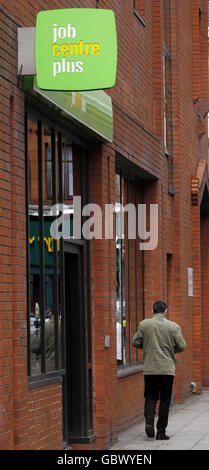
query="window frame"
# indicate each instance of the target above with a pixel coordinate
(134, 365)
(67, 164)
(168, 98)
(44, 378)
(63, 134)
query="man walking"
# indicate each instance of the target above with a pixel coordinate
(160, 340)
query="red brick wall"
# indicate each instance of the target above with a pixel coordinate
(189, 147)
(138, 136)
(130, 400)
(44, 414)
(19, 429)
(13, 359)
(197, 372)
(103, 300)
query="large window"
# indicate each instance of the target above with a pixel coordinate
(53, 176)
(44, 303)
(168, 106)
(129, 272)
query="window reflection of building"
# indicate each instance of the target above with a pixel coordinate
(48, 157)
(128, 272)
(67, 170)
(120, 273)
(67, 163)
(50, 171)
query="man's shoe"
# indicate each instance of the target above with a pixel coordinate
(161, 436)
(149, 428)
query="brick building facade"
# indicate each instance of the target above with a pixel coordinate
(158, 155)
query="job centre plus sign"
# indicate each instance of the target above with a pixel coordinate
(76, 49)
(73, 49)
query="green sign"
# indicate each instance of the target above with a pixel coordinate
(76, 49)
(89, 110)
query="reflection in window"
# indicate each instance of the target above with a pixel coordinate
(168, 107)
(67, 170)
(54, 171)
(128, 272)
(67, 162)
(48, 158)
(43, 251)
(120, 273)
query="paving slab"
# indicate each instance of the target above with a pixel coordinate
(188, 428)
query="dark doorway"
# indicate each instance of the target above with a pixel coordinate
(75, 379)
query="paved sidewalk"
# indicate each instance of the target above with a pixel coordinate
(188, 428)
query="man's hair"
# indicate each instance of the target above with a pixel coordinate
(159, 307)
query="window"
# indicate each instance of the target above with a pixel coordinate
(129, 288)
(48, 159)
(67, 162)
(44, 311)
(51, 179)
(67, 170)
(168, 106)
(139, 10)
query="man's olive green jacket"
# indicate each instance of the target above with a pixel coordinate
(160, 340)
(49, 343)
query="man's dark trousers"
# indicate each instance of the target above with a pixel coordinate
(157, 387)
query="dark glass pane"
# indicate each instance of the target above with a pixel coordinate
(35, 323)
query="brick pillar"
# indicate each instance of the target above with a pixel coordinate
(197, 284)
(6, 318)
(204, 225)
(103, 299)
(153, 274)
(18, 253)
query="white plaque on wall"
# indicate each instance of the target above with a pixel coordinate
(190, 282)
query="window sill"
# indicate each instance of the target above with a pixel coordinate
(125, 371)
(46, 379)
(140, 18)
(88, 439)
